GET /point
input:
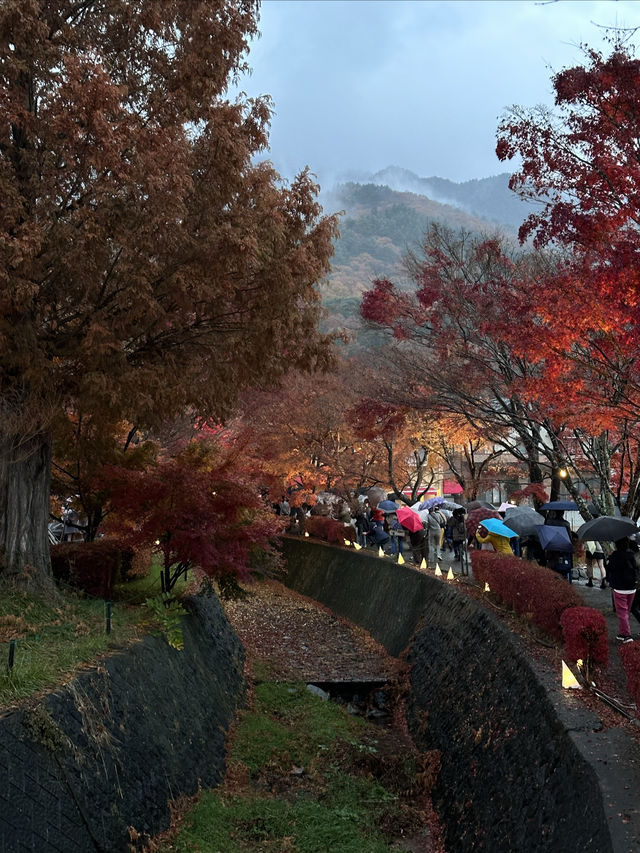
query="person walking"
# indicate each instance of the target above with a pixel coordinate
(435, 524)
(363, 517)
(622, 573)
(594, 553)
(419, 545)
(458, 532)
(498, 543)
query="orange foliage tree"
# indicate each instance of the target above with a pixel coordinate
(302, 439)
(148, 263)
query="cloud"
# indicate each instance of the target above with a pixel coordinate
(363, 84)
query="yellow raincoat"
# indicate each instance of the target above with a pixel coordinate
(500, 543)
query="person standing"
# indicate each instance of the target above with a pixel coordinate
(285, 507)
(594, 553)
(621, 571)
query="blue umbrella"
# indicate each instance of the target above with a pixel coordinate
(431, 502)
(563, 505)
(494, 525)
(554, 538)
(388, 506)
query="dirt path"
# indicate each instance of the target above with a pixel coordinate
(296, 639)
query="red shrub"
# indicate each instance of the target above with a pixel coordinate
(630, 654)
(528, 588)
(584, 630)
(91, 566)
(329, 529)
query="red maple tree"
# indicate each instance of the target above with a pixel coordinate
(199, 509)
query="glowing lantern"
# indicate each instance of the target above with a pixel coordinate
(568, 678)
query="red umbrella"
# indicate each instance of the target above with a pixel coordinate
(409, 519)
(474, 518)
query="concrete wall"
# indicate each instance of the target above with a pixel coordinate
(511, 776)
(381, 596)
(94, 765)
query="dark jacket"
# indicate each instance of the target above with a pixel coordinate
(621, 570)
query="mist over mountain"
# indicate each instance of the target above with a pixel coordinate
(489, 199)
(386, 214)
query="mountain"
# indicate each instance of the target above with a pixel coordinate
(388, 215)
(485, 198)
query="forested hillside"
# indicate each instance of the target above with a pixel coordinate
(380, 225)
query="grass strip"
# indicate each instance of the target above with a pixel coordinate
(300, 778)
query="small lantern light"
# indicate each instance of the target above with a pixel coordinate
(569, 680)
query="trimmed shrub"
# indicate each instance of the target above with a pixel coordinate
(531, 590)
(329, 529)
(584, 630)
(91, 566)
(630, 655)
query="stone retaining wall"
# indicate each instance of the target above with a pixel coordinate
(512, 777)
(95, 765)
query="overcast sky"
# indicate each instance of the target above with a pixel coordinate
(364, 84)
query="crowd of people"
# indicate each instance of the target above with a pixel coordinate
(443, 529)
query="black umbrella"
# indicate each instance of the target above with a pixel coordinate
(479, 505)
(607, 528)
(595, 512)
(523, 520)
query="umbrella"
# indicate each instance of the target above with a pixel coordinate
(450, 505)
(479, 505)
(409, 519)
(504, 506)
(431, 502)
(497, 526)
(607, 528)
(476, 516)
(554, 538)
(595, 512)
(388, 506)
(523, 519)
(563, 505)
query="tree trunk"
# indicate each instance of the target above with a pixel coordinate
(25, 476)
